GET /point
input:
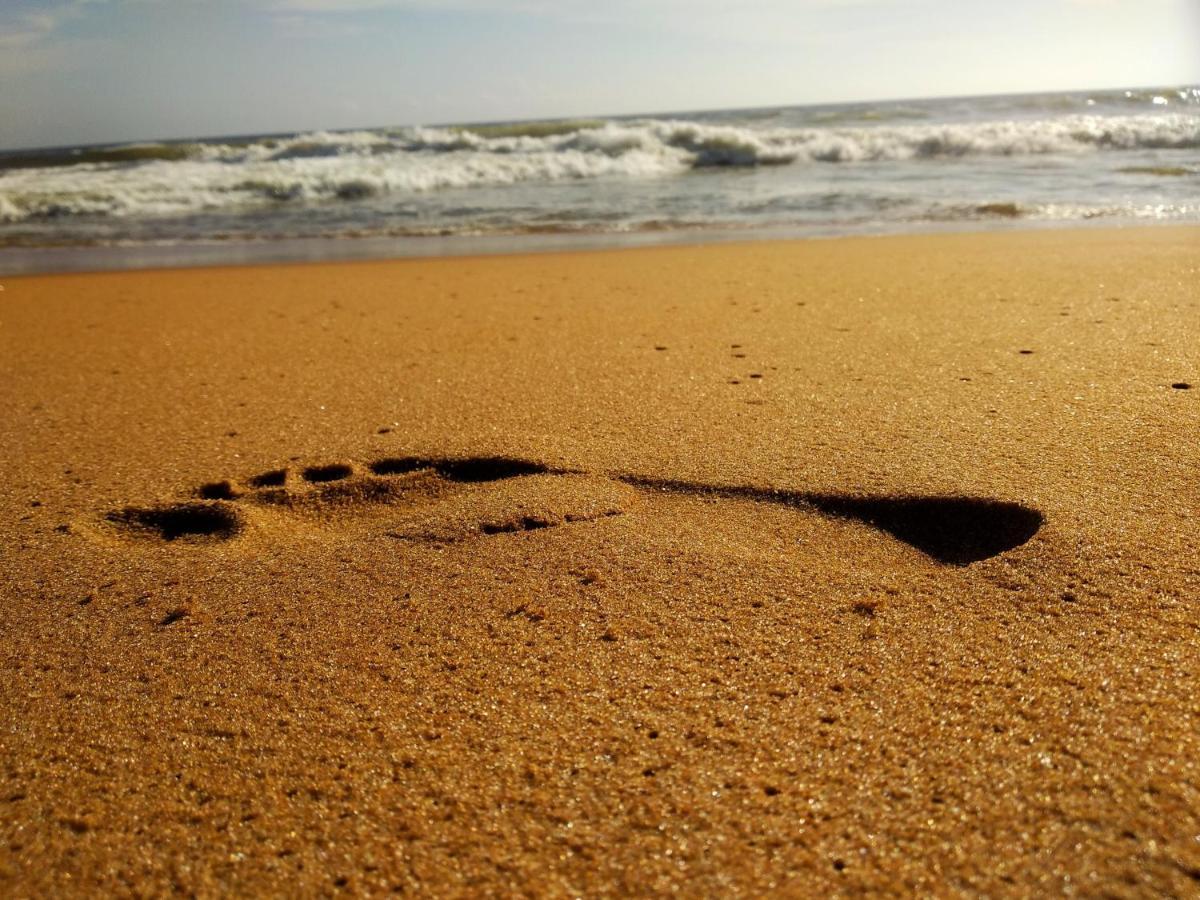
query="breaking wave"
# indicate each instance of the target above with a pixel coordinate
(356, 166)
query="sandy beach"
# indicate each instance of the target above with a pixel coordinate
(814, 567)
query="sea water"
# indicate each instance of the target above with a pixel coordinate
(1119, 156)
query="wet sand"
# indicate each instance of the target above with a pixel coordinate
(805, 567)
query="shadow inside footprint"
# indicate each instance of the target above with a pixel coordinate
(218, 490)
(468, 470)
(330, 472)
(274, 478)
(524, 523)
(197, 521)
(954, 530)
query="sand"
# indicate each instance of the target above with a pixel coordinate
(807, 567)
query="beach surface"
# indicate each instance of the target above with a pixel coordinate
(825, 567)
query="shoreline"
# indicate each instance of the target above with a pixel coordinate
(53, 260)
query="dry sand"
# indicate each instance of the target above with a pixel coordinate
(815, 567)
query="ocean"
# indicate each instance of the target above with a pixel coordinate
(1116, 156)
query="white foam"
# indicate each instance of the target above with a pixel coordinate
(352, 166)
(165, 188)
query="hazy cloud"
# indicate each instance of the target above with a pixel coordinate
(25, 28)
(24, 23)
(563, 8)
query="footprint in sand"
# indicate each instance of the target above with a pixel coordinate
(413, 499)
(450, 500)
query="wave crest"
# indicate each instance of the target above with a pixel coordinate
(359, 166)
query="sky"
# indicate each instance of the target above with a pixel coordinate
(94, 71)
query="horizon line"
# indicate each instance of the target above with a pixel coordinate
(5, 151)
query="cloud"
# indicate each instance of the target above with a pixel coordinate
(26, 30)
(31, 39)
(314, 27)
(26, 24)
(352, 6)
(563, 8)
(797, 24)
(753, 21)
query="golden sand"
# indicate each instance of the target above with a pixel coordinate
(809, 567)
